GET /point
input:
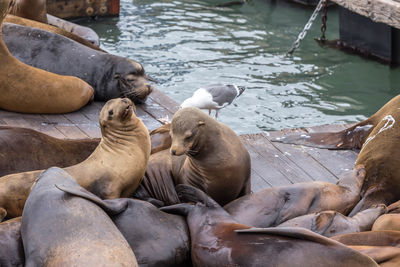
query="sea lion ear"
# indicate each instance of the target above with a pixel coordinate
(3, 214)
(201, 123)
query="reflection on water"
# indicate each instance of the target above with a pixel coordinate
(186, 44)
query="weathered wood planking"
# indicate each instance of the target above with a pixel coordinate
(273, 164)
(82, 8)
(384, 11)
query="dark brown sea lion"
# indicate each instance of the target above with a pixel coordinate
(35, 24)
(111, 76)
(273, 206)
(30, 90)
(11, 249)
(219, 240)
(157, 238)
(30, 9)
(387, 222)
(23, 149)
(205, 153)
(385, 256)
(60, 230)
(370, 238)
(113, 170)
(377, 137)
(331, 223)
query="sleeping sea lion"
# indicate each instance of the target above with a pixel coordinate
(387, 222)
(204, 153)
(219, 240)
(23, 149)
(370, 238)
(61, 230)
(113, 170)
(111, 76)
(331, 223)
(30, 90)
(377, 137)
(11, 249)
(273, 206)
(156, 237)
(385, 256)
(35, 24)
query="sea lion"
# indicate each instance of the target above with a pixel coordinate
(370, 238)
(385, 256)
(204, 153)
(30, 9)
(60, 230)
(156, 237)
(111, 76)
(160, 138)
(30, 90)
(113, 170)
(79, 30)
(35, 24)
(219, 240)
(23, 149)
(387, 222)
(377, 137)
(11, 249)
(331, 223)
(273, 206)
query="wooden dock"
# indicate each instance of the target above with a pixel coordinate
(273, 164)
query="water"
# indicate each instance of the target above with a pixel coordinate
(186, 44)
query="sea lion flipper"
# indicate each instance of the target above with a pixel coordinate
(322, 221)
(110, 206)
(180, 209)
(351, 138)
(188, 193)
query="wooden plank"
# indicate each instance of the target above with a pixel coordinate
(148, 120)
(163, 100)
(65, 126)
(40, 123)
(156, 111)
(82, 8)
(384, 11)
(275, 159)
(257, 182)
(90, 128)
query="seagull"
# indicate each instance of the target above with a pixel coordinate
(214, 96)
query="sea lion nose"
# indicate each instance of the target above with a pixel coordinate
(173, 152)
(125, 100)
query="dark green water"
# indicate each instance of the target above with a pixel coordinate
(186, 44)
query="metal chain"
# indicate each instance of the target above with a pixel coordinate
(303, 33)
(324, 19)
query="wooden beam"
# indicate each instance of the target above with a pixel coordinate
(82, 8)
(383, 11)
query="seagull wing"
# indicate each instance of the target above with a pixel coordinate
(223, 95)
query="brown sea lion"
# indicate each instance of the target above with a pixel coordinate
(385, 256)
(370, 238)
(205, 153)
(219, 240)
(35, 24)
(377, 137)
(273, 206)
(331, 223)
(30, 90)
(30, 9)
(11, 249)
(23, 149)
(156, 237)
(160, 138)
(60, 230)
(387, 222)
(113, 170)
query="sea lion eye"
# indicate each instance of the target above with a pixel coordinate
(130, 77)
(110, 114)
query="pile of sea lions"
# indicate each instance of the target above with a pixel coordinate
(179, 195)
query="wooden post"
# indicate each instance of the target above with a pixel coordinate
(82, 8)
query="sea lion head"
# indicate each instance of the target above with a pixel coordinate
(188, 125)
(117, 114)
(132, 81)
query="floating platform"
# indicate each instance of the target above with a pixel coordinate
(82, 8)
(273, 164)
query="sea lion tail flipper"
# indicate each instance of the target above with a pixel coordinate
(322, 221)
(3, 214)
(351, 138)
(394, 207)
(188, 193)
(111, 206)
(180, 209)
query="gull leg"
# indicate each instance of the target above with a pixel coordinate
(209, 112)
(216, 113)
